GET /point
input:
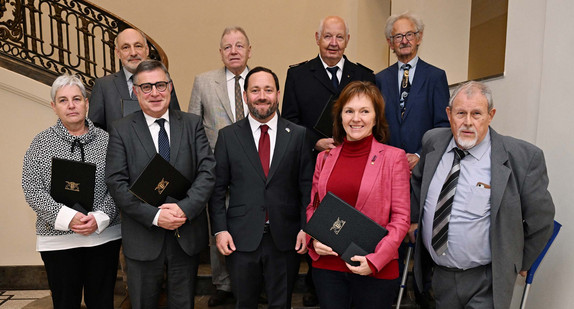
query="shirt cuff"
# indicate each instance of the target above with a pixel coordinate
(63, 219)
(102, 220)
(156, 218)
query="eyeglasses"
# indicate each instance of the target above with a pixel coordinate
(409, 35)
(147, 87)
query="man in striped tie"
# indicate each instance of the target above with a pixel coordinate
(482, 204)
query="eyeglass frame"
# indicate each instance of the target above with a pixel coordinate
(394, 37)
(153, 85)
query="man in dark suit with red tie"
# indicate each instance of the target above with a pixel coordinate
(264, 164)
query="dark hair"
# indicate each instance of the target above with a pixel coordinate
(369, 90)
(150, 65)
(260, 69)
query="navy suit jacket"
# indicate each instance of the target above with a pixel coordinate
(425, 107)
(106, 99)
(308, 88)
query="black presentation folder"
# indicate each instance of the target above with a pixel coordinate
(345, 229)
(158, 181)
(72, 184)
(130, 106)
(324, 124)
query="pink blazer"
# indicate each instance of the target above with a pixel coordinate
(384, 196)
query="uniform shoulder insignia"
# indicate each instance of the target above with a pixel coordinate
(298, 64)
(364, 67)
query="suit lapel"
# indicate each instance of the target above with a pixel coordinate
(393, 101)
(175, 133)
(221, 90)
(432, 159)
(282, 140)
(348, 74)
(121, 84)
(499, 173)
(416, 86)
(320, 74)
(245, 138)
(371, 172)
(141, 130)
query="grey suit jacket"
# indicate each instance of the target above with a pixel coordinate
(106, 99)
(209, 99)
(130, 149)
(285, 193)
(521, 214)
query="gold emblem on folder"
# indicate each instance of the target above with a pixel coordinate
(72, 186)
(337, 226)
(161, 186)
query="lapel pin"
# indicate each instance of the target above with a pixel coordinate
(288, 130)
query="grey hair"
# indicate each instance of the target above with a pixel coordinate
(150, 65)
(322, 24)
(469, 88)
(417, 21)
(67, 80)
(140, 32)
(230, 29)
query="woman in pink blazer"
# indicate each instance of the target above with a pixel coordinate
(374, 178)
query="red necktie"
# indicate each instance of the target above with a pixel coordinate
(264, 148)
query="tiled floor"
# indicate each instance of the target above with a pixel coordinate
(19, 299)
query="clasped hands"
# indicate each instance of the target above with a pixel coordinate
(363, 269)
(82, 224)
(171, 216)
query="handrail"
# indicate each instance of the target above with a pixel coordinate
(43, 39)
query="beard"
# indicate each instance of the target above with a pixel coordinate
(264, 114)
(466, 143)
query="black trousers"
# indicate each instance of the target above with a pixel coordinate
(92, 270)
(277, 269)
(341, 290)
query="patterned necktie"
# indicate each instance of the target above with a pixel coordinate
(131, 88)
(334, 79)
(264, 148)
(405, 88)
(239, 113)
(163, 140)
(444, 204)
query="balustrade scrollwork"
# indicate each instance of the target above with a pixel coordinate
(46, 38)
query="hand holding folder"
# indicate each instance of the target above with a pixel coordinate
(345, 229)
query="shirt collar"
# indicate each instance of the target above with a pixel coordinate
(478, 151)
(229, 76)
(127, 73)
(254, 123)
(339, 64)
(151, 120)
(413, 62)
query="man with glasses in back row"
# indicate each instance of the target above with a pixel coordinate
(416, 95)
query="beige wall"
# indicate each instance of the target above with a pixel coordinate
(26, 112)
(281, 32)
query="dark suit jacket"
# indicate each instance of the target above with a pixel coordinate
(106, 99)
(308, 88)
(285, 192)
(425, 108)
(130, 149)
(521, 208)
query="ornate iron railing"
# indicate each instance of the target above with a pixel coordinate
(43, 39)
